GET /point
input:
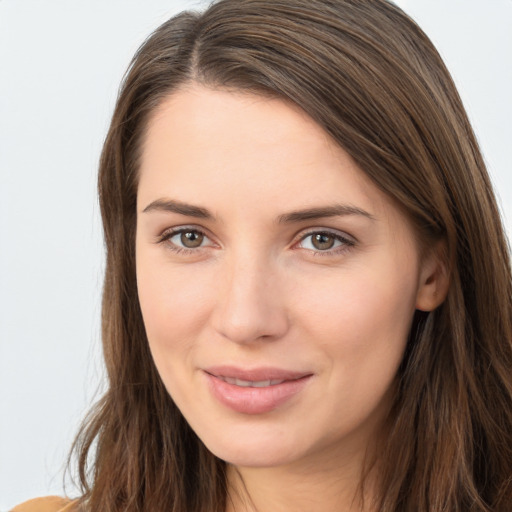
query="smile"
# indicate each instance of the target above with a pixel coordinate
(255, 391)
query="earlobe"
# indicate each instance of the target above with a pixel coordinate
(434, 281)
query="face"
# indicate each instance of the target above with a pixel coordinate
(277, 283)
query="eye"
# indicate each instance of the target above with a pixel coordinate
(188, 239)
(185, 239)
(325, 241)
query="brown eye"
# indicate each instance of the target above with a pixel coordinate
(325, 242)
(322, 241)
(191, 239)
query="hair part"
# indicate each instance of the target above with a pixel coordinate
(369, 76)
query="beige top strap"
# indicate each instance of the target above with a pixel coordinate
(47, 504)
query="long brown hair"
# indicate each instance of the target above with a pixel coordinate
(371, 78)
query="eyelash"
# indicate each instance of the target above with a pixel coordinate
(346, 242)
(166, 236)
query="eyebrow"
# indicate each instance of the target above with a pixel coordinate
(189, 210)
(338, 210)
(170, 205)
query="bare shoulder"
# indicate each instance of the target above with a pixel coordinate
(46, 504)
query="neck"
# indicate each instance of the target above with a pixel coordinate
(301, 487)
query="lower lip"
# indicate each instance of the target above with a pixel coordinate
(250, 400)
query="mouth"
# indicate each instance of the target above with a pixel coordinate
(255, 391)
(250, 383)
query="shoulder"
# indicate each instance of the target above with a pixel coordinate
(47, 504)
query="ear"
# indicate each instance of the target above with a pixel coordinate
(434, 279)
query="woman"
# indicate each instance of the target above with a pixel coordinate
(307, 302)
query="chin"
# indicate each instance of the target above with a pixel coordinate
(254, 449)
(261, 457)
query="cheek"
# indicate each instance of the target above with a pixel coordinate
(174, 306)
(361, 320)
(174, 309)
(358, 302)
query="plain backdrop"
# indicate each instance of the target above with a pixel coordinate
(60, 66)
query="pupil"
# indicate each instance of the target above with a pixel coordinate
(323, 241)
(191, 239)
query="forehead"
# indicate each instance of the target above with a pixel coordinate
(244, 150)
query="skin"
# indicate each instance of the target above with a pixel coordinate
(258, 292)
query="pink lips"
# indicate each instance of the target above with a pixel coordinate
(254, 391)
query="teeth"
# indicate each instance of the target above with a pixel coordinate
(251, 383)
(243, 383)
(261, 384)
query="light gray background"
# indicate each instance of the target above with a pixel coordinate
(60, 66)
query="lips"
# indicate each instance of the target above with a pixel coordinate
(254, 391)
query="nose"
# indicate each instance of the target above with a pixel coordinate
(250, 302)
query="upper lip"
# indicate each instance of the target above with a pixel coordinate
(263, 373)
